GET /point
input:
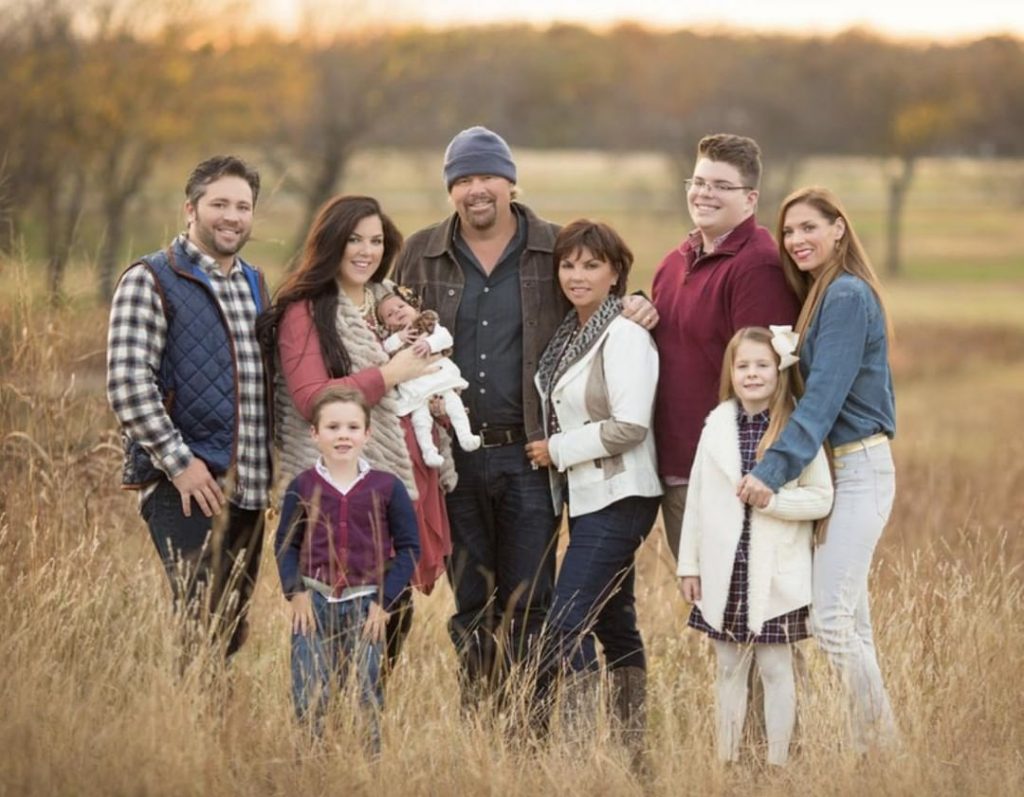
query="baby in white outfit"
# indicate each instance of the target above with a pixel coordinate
(422, 331)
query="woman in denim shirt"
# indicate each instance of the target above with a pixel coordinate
(848, 402)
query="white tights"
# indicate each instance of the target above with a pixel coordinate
(776, 665)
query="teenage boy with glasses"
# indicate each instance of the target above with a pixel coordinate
(724, 276)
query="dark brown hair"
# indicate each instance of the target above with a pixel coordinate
(216, 167)
(602, 242)
(315, 280)
(739, 151)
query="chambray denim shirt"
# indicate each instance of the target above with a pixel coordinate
(845, 363)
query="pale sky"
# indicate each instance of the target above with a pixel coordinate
(898, 18)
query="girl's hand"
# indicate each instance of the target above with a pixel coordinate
(755, 492)
(376, 626)
(689, 588)
(421, 347)
(303, 621)
(538, 454)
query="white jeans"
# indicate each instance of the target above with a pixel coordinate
(840, 614)
(776, 665)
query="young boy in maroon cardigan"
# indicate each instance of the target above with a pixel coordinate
(346, 548)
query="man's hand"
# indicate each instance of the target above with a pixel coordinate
(753, 491)
(376, 626)
(640, 311)
(197, 482)
(303, 621)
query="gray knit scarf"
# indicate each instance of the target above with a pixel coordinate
(570, 343)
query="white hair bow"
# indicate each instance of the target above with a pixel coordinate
(784, 341)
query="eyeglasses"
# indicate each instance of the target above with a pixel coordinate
(699, 184)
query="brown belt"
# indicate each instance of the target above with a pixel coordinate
(860, 445)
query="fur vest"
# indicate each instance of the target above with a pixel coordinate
(386, 448)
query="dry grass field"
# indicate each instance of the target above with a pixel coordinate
(91, 704)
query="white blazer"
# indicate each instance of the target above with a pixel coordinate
(615, 380)
(780, 535)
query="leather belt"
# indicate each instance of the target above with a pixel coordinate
(492, 438)
(860, 445)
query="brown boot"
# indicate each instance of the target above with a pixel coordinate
(629, 709)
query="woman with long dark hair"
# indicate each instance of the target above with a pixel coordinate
(322, 329)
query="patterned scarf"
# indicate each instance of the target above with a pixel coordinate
(571, 342)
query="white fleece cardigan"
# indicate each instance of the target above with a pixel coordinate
(615, 379)
(780, 535)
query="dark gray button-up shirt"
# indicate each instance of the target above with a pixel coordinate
(489, 334)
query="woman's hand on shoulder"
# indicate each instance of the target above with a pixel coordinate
(639, 310)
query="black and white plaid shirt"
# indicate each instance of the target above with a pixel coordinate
(135, 345)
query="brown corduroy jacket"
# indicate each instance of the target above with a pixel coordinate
(427, 265)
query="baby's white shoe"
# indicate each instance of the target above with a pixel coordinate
(470, 442)
(433, 459)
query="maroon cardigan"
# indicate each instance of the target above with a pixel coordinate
(701, 302)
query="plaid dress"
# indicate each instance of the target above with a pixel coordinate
(789, 627)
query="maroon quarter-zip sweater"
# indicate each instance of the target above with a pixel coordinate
(701, 302)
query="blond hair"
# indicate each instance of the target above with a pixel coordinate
(787, 390)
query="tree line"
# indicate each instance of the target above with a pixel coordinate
(94, 97)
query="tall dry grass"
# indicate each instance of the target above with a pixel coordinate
(92, 702)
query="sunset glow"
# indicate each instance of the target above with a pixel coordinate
(903, 20)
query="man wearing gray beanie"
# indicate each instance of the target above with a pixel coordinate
(478, 150)
(487, 270)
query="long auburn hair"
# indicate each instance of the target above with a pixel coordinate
(315, 279)
(849, 257)
(787, 390)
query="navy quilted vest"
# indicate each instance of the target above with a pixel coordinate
(197, 373)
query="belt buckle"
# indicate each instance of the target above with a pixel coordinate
(495, 438)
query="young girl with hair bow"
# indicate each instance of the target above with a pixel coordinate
(747, 570)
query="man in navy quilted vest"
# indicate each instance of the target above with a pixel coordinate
(186, 381)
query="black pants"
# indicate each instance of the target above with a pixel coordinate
(211, 563)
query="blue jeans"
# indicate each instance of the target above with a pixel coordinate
(594, 593)
(323, 660)
(502, 567)
(212, 576)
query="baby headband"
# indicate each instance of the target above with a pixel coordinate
(784, 341)
(406, 294)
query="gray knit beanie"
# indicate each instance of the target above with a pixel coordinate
(477, 150)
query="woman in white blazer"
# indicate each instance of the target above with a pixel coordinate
(597, 381)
